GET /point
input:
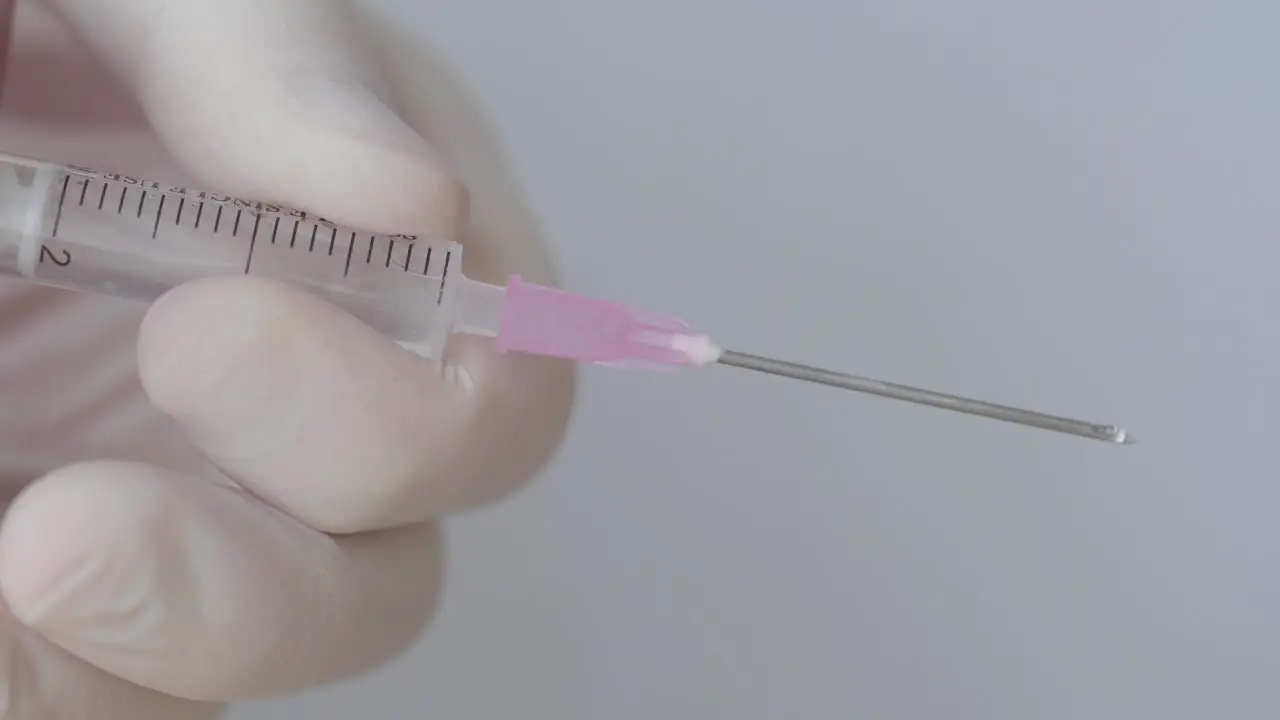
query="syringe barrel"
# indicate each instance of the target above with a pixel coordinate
(85, 230)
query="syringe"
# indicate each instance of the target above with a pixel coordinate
(79, 229)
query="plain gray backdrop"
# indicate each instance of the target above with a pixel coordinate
(1071, 205)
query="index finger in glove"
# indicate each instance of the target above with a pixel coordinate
(274, 100)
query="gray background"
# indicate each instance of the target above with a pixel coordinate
(1067, 204)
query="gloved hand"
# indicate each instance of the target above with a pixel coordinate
(258, 515)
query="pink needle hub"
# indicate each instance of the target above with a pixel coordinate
(546, 321)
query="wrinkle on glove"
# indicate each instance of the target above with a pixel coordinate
(237, 497)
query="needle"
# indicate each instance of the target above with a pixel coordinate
(1105, 433)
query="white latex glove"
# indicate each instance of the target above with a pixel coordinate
(257, 516)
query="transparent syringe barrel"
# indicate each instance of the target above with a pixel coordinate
(85, 230)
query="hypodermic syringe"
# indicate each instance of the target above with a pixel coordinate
(80, 229)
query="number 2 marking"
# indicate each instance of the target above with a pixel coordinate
(61, 258)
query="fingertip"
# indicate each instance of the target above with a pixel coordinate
(298, 401)
(54, 534)
(333, 149)
(202, 344)
(294, 116)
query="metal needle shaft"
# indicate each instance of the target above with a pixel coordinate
(1095, 431)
